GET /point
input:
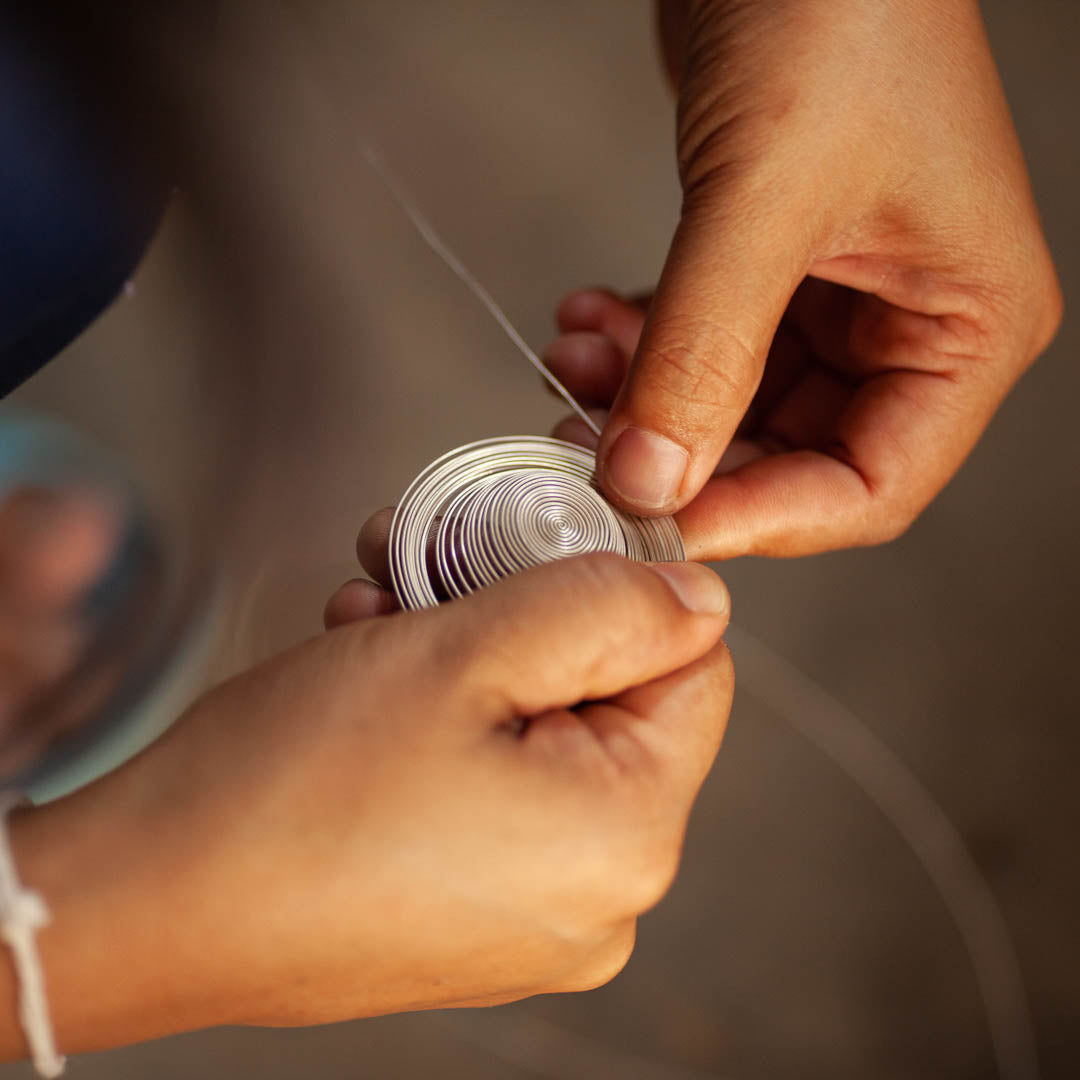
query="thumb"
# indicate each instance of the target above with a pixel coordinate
(736, 258)
(578, 629)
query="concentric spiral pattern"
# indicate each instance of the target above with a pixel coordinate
(494, 507)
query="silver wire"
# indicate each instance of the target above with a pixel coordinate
(494, 507)
(434, 241)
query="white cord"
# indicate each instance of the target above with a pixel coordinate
(22, 913)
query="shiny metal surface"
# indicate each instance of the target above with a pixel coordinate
(494, 507)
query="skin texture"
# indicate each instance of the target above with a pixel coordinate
(332, 835)
(857, 280)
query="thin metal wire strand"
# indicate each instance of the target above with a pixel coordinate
(435, 242)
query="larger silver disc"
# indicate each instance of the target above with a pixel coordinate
(497, 506)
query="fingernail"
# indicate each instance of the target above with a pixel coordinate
(696, 586)
(645, 468)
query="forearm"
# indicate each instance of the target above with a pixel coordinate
(125, 957)
(326, 836)
(183, 895)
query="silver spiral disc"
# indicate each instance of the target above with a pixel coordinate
(492, 508)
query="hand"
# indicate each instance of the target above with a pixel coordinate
(407, 812)
(857, 279)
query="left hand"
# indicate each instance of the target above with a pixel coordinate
(407, 812)
(857, 280)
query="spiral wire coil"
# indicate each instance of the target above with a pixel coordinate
(491, 508)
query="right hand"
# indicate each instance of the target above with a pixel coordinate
(410, 811)
(857, 279)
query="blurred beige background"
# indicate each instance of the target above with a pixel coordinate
(802, 938)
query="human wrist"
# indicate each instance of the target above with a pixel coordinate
(119, 964)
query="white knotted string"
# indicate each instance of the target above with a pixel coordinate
(22, 913)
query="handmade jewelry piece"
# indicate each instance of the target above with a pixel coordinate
(498, 506)
(492, 508)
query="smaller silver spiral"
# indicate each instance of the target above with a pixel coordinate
(494, 507)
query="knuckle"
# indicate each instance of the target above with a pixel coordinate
(697, 362)
(601, 588)
(726, 661)
(650, 869)
(610, 959)
(1026, 308)
(654, 879)
(597, 965)
(626, 589)
(889, 521)
(715, 128)
(889, 503)
(1051, 310)
(723, 667)
(726, 127)
(598, 571)
(633, 599)
(455, 656)
(704, 155)
(421, 635)
(642, 848)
